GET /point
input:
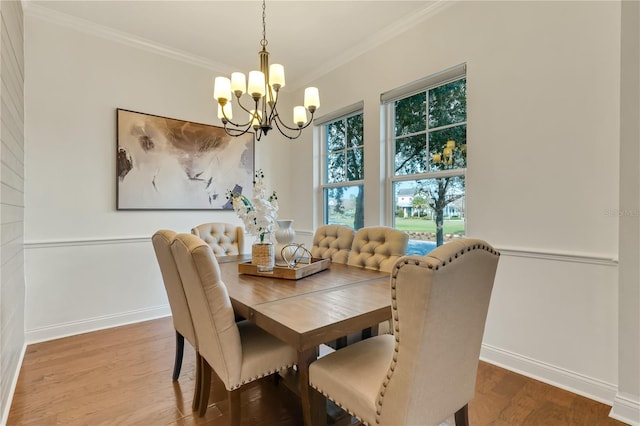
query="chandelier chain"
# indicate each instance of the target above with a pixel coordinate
(264, 41)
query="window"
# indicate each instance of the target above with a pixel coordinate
(343, 170)
(427, 133)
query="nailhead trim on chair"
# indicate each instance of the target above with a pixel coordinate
(244, 382)
(341, 406)
(418, 261)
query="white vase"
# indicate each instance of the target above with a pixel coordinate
(285, 235)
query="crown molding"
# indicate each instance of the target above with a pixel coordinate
(385, 34)
(91, 28)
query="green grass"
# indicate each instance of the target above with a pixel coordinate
(413, 224)
(424, 225)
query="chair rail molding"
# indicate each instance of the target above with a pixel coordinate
(560, 256)
(85, 242)
(555, 255)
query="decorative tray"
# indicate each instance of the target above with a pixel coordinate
(301, 270)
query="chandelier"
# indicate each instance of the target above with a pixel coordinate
(263, 90)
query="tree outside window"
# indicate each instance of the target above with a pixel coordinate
(429, 162)
(344, 171)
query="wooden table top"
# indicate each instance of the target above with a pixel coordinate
(310, 319)
(337, 293)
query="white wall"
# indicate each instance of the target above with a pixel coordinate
(543, 175)
(89, 266)
(12, 285)
(543, 163)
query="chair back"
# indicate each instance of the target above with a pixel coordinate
(332, 242)
(224, 239)
(162, 240)
(211, 310)
(439, 308)
(378, 247)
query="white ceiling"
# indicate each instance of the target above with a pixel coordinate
(309, 37)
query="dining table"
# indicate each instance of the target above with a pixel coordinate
(308, 312)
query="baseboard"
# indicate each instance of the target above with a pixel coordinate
(626, 409)
(565, 379)
(12, 389)
(93, 324)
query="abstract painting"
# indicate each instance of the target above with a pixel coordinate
(168, 164)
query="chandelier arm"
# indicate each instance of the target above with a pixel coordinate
(248, 123)
(278, 119)
(236, 132)
(245, 109)
(273, 109)
(283, 132)
(274, 102)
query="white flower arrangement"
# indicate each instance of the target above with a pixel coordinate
(258, 214)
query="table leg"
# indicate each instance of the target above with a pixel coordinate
(314, 404)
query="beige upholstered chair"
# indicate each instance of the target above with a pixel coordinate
(162, 240)
(224, 239)
(377, 247)
(332, 242)
(239, 353)
(427, 370)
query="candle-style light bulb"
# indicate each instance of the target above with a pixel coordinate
(238, 83)
(311, 99)
(222, 89)
(299, 116)
(256, 84)
(276, 76)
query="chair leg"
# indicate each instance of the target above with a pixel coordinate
(177, 365)
(234, 407)
(205, 386)
(198, 388)
(462, 416)
(366, 333)
(341, 342)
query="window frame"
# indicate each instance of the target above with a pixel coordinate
(388, 100)
(322, 123)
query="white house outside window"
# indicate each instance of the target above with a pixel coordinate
(427, 133)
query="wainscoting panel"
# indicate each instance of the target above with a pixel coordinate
(554, 317)
(79, 286)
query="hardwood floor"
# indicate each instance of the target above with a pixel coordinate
(123, 376)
